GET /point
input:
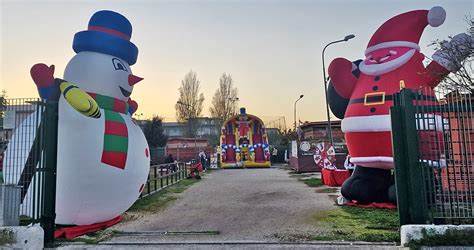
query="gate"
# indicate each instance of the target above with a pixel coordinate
(30, 158)
(433, 147)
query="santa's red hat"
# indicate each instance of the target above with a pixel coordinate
(405, 29)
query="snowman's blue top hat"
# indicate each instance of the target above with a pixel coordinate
(109, 33)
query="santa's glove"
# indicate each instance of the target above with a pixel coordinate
(340, 71)
(132, 106)
(451, 55)
(43, 76)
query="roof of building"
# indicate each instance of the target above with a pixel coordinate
(180, 138)
(320, 124)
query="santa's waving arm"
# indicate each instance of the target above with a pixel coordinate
(342, 78)
(449, 58)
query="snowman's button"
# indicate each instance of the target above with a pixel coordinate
(373, 110)
(375, 88)
(376, 78)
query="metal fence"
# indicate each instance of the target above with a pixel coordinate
(433, 143)
(31, 127)
(164, 175)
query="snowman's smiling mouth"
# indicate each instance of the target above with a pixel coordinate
(124, 92)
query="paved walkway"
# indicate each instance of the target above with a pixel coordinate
(240, 204)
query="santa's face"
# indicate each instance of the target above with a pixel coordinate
(385, 55)
(385, 60)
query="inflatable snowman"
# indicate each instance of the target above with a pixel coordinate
(103, 157)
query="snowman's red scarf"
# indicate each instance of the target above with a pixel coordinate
(114, 151)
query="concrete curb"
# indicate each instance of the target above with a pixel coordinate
(412, 233)
(25, 237)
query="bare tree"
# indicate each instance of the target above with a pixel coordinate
(224, 100)
(190, 102)
(460, 55)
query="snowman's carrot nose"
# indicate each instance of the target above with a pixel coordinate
(133, 79)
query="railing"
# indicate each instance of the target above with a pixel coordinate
(433, 145)
(30, 158)
(164, 175)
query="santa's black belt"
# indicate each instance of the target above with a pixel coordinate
(379, 98)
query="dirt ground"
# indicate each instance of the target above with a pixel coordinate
(233, 205)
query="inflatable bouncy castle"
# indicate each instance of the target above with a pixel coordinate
(244, 142)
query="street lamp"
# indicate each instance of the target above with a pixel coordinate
(301, 96)
(347, 38)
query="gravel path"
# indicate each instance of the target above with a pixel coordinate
(241, 204)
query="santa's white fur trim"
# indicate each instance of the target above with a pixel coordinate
(384, 162)
(392, 44)
(382, 68)
(382, 123)
(374, 123)
(436, 16)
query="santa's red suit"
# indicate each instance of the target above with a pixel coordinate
(366, 122)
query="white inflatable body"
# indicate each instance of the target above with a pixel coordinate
(89, 191)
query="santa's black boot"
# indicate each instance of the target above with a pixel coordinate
(367, 185)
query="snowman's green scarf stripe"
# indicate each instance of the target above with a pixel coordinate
(115, 147)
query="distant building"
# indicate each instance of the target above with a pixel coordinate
(205, 127)
(185, 149)
(319, 131)
(175, 129)
(312, 133)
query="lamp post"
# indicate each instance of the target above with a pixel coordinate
(347, 38)
(294, 107)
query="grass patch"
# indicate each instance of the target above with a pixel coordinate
(313, 182)
(162, 198)
(358, 224)
(327, 190)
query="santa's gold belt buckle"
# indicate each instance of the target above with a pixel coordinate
(371, 95)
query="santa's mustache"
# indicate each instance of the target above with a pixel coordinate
(382, 68)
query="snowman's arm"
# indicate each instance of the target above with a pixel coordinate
(132, 106)
(43, 77)
(79, 100)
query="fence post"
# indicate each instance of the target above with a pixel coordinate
(50, 148)
(161, 176)
(408, 173)
(155, 178)
(401, 165)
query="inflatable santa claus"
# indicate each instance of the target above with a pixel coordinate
(361, 92)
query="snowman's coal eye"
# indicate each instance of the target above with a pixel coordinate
(118, 65)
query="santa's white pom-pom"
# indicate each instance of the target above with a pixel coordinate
(436, 16)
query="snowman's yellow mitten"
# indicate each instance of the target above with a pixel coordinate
(80, 100)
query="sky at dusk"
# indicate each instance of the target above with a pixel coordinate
(272, 49)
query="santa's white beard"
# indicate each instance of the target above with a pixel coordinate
(382, 68)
